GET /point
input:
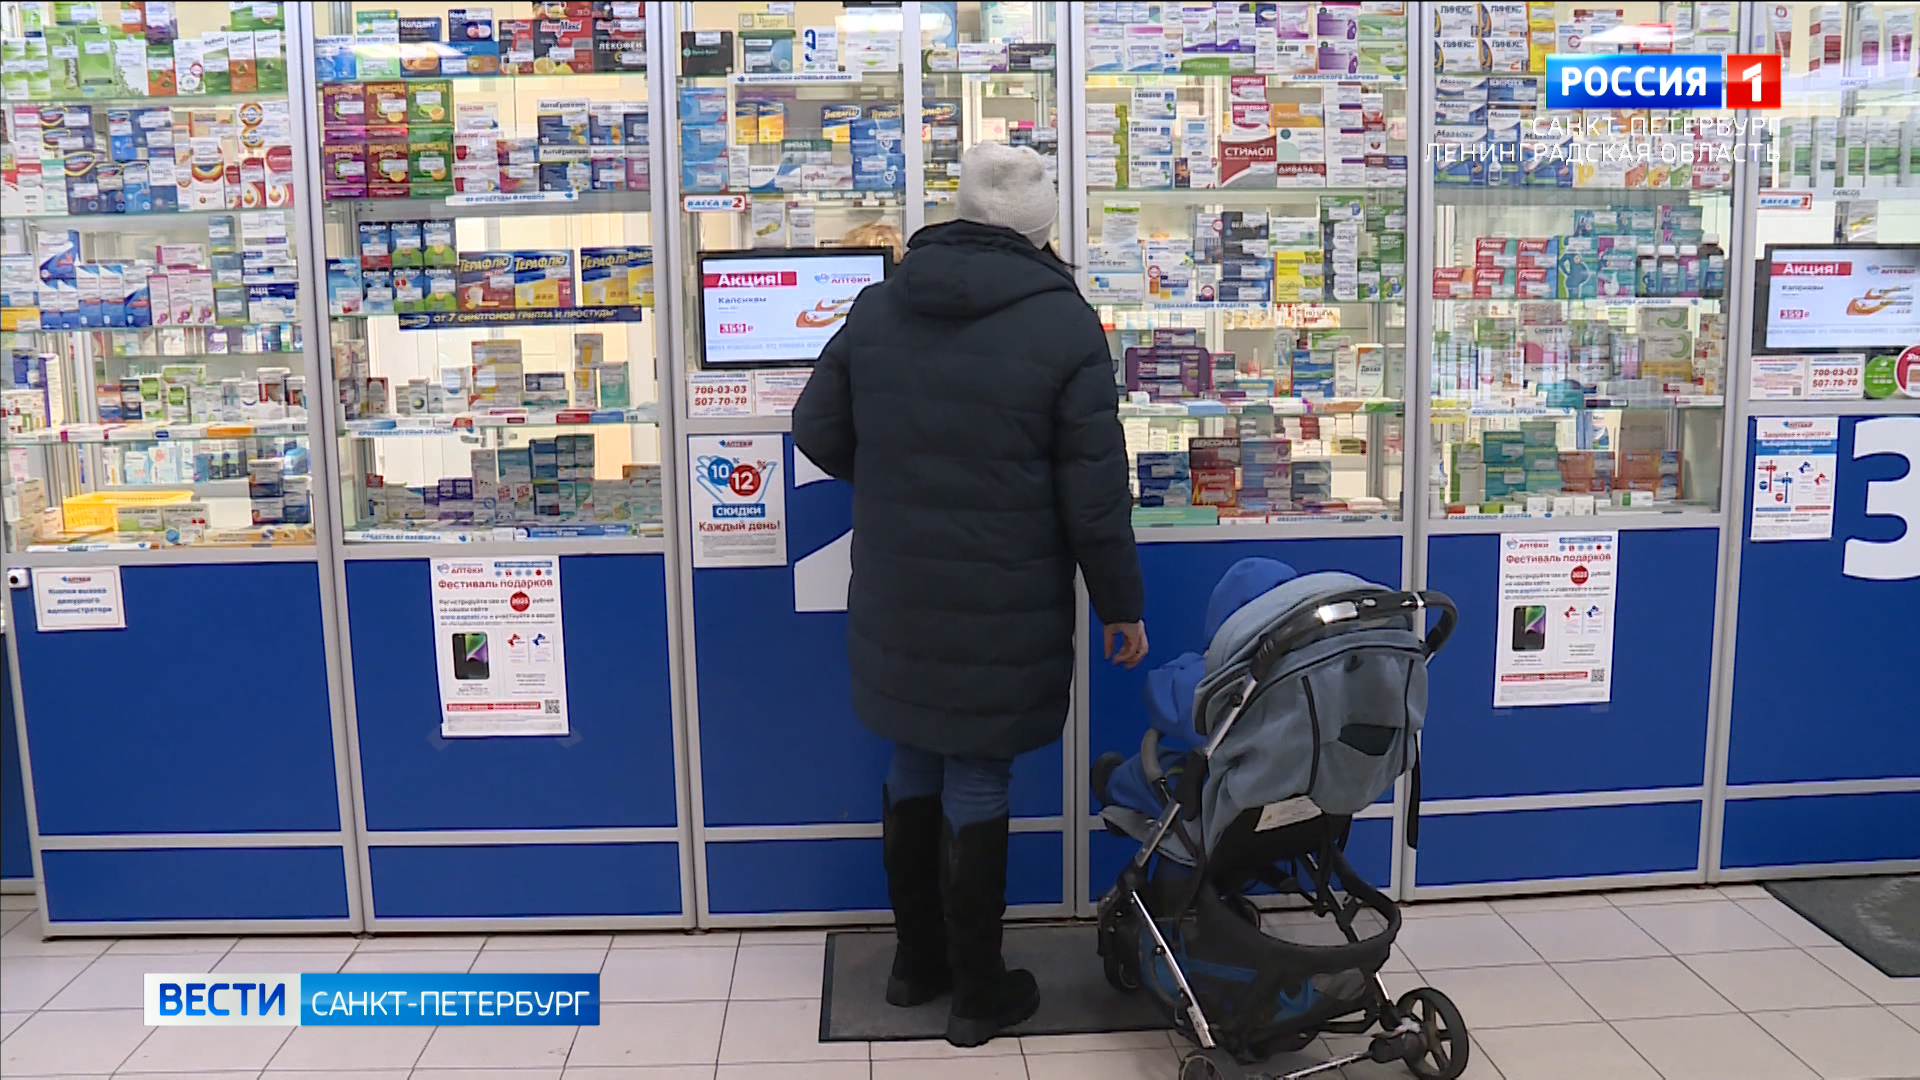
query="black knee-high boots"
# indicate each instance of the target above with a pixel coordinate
(911, 830)
(987, 998)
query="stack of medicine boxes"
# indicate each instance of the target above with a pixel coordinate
(1266, 474)
(703, 138)
(1164, 479)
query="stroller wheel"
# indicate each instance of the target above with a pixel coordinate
(1213, 1064)
(1121, 975)
(1443, 1048)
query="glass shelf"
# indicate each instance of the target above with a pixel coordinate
(147, 220)
(181, 326)
(241, 359)
(129, 434)
(1449, 195)
(172, 101)
(204, 536)
(493, 534)
(471, 425)
(1230, 195)
(529, 204)
(1097, 78)
(468, 320)
(834, 199)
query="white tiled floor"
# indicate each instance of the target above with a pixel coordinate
(1682, 984)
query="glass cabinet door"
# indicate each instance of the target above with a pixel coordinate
(794, 111)
(989, 73)
(1580, 329)
(1246, 174)
(489, 268)
(149, 284)
(1848, 135)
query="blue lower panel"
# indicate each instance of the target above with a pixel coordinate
(1369, 849)
(16, 855)
(1543, 845)
(753, 877)
(1822, 676)
(195, 883)
(140, 751)
(613, 770)
(1812, 829)
(1653, 734)
(507, 881)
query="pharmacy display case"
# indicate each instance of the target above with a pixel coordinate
(488, 220)
(1243, 214)
(792, 134)
(990, 72)
(1580, 309)
(1829, 420)
(160, 472)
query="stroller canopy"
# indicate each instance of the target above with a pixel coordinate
(1330, 726)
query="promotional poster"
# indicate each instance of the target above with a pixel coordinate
(497, 640)
(1554, 643)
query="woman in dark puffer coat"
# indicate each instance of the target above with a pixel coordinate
(970, 401)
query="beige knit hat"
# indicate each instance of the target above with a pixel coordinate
(1008, 186)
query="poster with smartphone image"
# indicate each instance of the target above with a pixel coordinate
(1554, 638)
(497, 639)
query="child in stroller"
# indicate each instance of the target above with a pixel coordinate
(1306, 709)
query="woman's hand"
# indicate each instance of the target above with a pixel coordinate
(1133, 642)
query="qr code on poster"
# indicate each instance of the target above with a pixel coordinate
(1597, 675)
(550, 706)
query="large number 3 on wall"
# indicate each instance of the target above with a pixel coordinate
(1889, 560)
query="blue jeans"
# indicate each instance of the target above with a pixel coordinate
(971, 789)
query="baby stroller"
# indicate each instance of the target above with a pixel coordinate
(1308, 710)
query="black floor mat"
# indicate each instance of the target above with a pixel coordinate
(1877, 917)
(1074, 996)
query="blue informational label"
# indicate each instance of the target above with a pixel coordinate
(1636, 81)
(449, 1000)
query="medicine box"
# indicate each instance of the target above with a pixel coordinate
(542, 279)
(603, 277)
(485, 281)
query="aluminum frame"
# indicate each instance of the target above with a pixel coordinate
(1736, 303)
(1074, 233)
(1742, 409)
(367, 838)
(299, 39)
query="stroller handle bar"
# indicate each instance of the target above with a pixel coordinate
(1369, 604)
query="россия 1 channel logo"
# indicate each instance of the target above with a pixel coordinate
(1664, 81)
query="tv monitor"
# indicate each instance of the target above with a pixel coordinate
(778, 307)
(1838, 297)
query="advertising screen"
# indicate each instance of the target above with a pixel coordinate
(1841, 296)
(771, 308)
